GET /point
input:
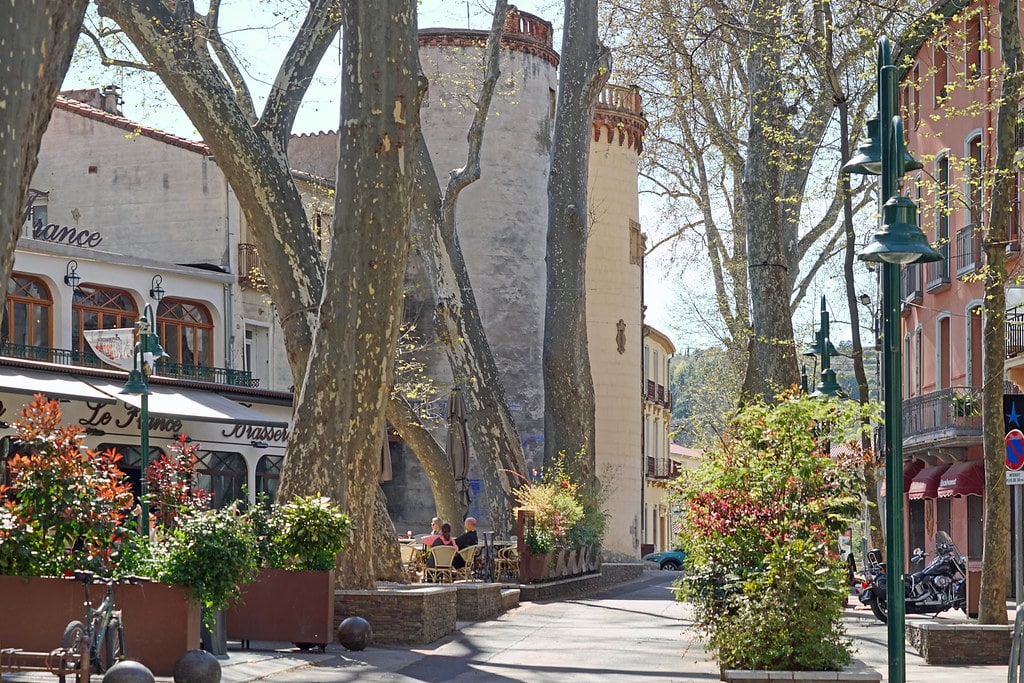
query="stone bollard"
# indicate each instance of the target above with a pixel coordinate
(354, 633)
(127, 671)
(197, 666)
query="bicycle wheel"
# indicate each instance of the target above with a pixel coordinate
(113, 643)
(73, 638)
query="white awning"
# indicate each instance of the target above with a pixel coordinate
(51, 384)
(191, 404)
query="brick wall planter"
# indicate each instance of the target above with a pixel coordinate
(744, 676)
(293, 606)
(161, 622)
(477, 601)
(954, 644)
(413, 615)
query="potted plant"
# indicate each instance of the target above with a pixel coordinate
(292, 597)
(761, 517)
(965, 404)
(67, 508)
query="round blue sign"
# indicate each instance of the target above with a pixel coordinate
(1014, 449)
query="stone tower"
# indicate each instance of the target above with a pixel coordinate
(614, 320)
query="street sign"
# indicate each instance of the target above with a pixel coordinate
(1014, 477)
(1014, 449)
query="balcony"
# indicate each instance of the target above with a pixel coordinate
(910, 284)
(658, 394)
(968, 250)
(195, 373)
(937, 273)
(1014, 332)
(661, 468)
(250, 266)
(946, 418)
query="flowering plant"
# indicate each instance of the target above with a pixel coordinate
(173, 486)
(65, 507)
(761, 517)
(559, 516)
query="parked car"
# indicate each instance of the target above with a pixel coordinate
(669, 560)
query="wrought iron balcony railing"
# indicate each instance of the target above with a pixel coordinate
(87, 359)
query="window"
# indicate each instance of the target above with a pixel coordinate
(939, 78)
(257, 353)
(942, 515)
(974, 332)
(942, 206)
(29, 312)
(223, 475)
(131, 461)
(943, 367)
(918, 353)
(268, 475)
(975, 522)
(186, 332)
(974, 181)
(99, 308)
(973, 56)
(636, 244)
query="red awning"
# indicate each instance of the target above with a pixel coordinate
(926, 483)
(910, 470)
(963, 479)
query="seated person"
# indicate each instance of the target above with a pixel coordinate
(465, 540)
(435, 529)
(444, 538)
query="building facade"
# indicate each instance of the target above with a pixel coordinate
(660, 464)
(948, 100)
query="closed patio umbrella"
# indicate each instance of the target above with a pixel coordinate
(458, 445)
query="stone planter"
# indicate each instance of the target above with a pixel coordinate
(960, 644)
(283, 605)
(161, 622)
(747, 676)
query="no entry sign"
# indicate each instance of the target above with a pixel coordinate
(1014, 449)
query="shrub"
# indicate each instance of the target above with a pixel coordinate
(173, 483)
(762, 515)
(65, 508)
(212, 551)
(309, 532)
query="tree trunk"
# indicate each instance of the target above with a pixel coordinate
(995, 557)
(336, 434)
(37, 39)
(387, 559)
(569, 403)
(762, 187)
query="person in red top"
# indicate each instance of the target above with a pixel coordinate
(444, 538)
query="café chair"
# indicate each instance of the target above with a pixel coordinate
(442, 571)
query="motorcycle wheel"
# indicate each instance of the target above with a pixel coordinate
(879, 608)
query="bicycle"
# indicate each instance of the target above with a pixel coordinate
(101, 630)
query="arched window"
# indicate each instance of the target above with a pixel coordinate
(27, 320)
(268, 474)
(131, 461)
(100, 308)
(186, 332)
(223, 475)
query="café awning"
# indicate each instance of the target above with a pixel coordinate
(926, 483)
(51, 384)
(963, 479)
(191, 404)
(910, 470)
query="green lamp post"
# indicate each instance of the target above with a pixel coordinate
(897, 241)
(147, 352)
(827, 387)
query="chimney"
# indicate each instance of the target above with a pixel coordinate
(110, 100)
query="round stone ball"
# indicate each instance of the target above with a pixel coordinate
(355, 633)
(197, 666)
(127, 671)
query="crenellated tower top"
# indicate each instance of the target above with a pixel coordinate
(619, 112)
(523, 32)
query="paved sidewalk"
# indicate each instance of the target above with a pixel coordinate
(631, 632)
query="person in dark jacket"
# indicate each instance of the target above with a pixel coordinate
(465, 540)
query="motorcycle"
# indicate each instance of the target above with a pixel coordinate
(940, 586)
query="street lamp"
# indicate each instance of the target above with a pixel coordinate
(828, 387)
(898, 241)
(147, 351)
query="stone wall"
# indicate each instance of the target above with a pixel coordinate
(956, 644)
(401, 615)
(477, 601)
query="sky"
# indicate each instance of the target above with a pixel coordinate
(257, 29)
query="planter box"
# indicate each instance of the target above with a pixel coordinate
(161, 622)
(745, 676)
(961, 644)
(402, 616)
(283, 605)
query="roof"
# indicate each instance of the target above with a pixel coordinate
(82, 109)
(660, 337)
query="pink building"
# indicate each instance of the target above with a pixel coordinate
(948, 100)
